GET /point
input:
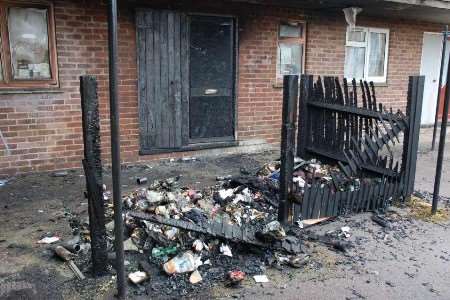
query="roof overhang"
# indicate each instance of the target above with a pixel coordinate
(435, 11)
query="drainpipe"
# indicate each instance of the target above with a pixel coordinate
(115, 148)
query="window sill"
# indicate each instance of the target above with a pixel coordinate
(380, 84)
(19, 91)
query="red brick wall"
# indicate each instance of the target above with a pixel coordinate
(43, 130)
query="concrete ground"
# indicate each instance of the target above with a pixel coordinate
(426, 163)
(411, 261)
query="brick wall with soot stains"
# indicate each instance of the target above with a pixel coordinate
(43, 130)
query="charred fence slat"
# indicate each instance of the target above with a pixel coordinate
(357, 132)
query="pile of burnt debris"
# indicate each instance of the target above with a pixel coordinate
(180, 240)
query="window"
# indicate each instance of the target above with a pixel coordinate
(366, 54)
(27, 46)
(291, 42)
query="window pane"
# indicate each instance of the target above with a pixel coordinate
(290, 30)
(357, 36)
(289, 59)
(354, 62)
(28, 37)
(377, 54)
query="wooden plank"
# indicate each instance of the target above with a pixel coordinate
(177, 81)
(170, 112)
(165, 120)
(184, 58)
(156, 70)
(144, 89)
(370, 196)
(325, 201)
(317, 202)
(305, 201)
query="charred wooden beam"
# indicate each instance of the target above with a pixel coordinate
(93, 171)
(289, 118)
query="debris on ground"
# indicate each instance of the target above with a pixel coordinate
(137, 277)
(261, 278)
(197, 236)
(383, 222)
(235, 277)
(195, 277)
(49, 240)
(186, 262)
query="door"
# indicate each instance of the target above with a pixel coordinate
(186, 68)
(430, 67)
(211, 61)
(163, 80)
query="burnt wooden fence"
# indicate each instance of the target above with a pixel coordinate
(343, 122)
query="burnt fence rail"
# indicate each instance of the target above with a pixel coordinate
(343, 122)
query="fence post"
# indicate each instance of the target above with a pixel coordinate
(411, 139)
(93, 171)
(289, 116)
(306, 83)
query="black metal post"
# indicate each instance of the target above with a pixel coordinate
(411, 135)
(436, 117)
(437, 179)
(290, 94)
(115, 148)
(93, 172)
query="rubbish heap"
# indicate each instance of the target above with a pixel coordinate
(179, 239)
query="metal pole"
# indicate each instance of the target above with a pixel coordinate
(436, 117)
(115, 148)
(437, 180)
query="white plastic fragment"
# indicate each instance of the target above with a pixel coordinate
(261, 278)
(137, 277)
(346, 231)
(224, 194)
(300, 181)
(49, 240)
(226, 250)
(171, 233)
(198, 245)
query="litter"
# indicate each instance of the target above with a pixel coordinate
(235, 277)
(195, 277)
(137, 277)
(198, 245)
(275, 230)
(63, 253)
(142, 180)
(345, 231)
(261, 278)
(49, 240)
(128, 245)
(162, 252)
(381, 221)
(225, 250)
(186, 262)
(67, 256)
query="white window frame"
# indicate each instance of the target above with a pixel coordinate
(367, 46)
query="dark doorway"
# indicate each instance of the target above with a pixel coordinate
(211, 105)
(186, 80)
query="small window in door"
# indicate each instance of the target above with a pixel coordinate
(290, 49)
